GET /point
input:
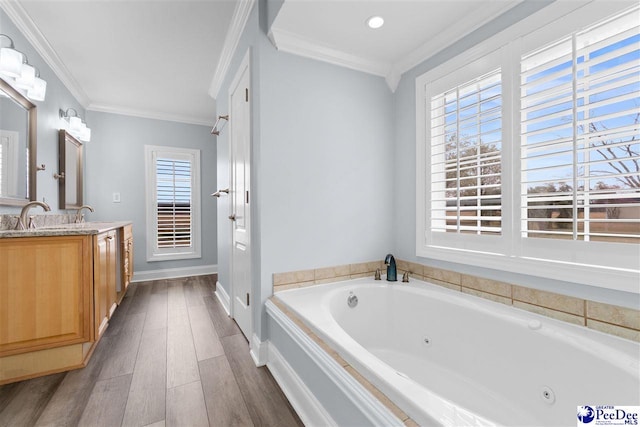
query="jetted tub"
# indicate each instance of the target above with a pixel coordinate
(447, 358)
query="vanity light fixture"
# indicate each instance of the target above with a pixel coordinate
(375, 22)
(76, 126)
(15, 68)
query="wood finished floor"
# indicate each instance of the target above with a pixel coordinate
(170, 357)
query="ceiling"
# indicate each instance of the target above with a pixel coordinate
(157, 58)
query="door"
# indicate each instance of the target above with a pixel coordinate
(240, 139)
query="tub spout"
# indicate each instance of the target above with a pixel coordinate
(392, 273)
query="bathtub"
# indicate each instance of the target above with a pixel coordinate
(447, 358)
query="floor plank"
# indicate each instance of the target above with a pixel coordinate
(225, 405)
(123, 353)
(146, 400)
(265, 402)
(186, 407)
(106, 403)
(225, 326)
(28, 400)
(157, 312)
(205, 337)
(182, 363)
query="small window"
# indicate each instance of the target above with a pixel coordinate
(173, 205)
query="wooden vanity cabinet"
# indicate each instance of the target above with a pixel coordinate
(126, 250)
(57, 294)
(104, 279)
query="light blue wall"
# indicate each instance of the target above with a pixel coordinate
(322, 165)
(114, 162)
(57, 97)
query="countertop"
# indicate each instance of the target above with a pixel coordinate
(66, 229)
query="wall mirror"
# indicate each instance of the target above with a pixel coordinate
(69, 171)
(17, 147)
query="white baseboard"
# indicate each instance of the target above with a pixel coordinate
(224, 298)
(173, 273)
(310, 411)
(259, 351)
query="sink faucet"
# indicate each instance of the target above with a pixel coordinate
(79, 216)
(22, 220)
(390, 262)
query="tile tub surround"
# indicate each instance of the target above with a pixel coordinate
(610, 319)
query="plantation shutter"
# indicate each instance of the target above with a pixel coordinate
(466, 139)
(580, 101)
(174, 203)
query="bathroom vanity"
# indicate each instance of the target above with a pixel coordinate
(59, 287)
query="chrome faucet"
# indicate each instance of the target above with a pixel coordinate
(22, 220)
(79, 216)
(392, 273)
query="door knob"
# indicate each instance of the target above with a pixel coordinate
(232, 217)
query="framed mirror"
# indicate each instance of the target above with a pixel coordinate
(69, 171)
(17, 147)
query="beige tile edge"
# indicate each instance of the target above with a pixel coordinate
(558, 306)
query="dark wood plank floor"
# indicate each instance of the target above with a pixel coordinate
(170, 357)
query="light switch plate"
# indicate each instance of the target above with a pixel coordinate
(116, 197)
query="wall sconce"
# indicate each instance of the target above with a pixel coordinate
(76, 126)
(15, 68)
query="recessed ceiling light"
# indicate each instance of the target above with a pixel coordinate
(375, 22)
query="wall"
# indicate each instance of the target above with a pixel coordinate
(114, 162)
(322, 164)
(405, 175)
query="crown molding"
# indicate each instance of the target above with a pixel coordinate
(145, 114)
(238, 22)
(292, 43)
(28, 28)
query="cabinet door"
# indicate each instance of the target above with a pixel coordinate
(45, 297)
(112, 272)
(100, 280)
(126, 252)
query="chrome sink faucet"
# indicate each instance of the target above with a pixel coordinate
(392, 273)
(22, 220)
(79, 216)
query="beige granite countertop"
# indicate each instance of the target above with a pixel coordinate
(66, 229)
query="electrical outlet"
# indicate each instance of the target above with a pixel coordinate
(116, 197)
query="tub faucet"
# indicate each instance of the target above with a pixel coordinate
(390, 262)
(22, 219)
(79, 216)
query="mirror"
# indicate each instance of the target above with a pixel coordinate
(69, 171)
(17, 147)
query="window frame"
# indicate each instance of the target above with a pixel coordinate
(155, 253)
(602, 264)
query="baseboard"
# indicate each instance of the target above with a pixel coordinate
(259, 351)
(173, 273)
(308, 408)
(224, 298)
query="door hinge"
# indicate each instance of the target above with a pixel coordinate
(247, 197)
(246, 94)
(247, 298)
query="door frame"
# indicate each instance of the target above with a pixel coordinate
(245, 64)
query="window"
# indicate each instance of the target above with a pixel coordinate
(580, 148)
(466, 137)
(173, 203)
(529, 151)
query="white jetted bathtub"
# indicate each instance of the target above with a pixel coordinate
(447, 358)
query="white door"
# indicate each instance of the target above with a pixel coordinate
(240, 137)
